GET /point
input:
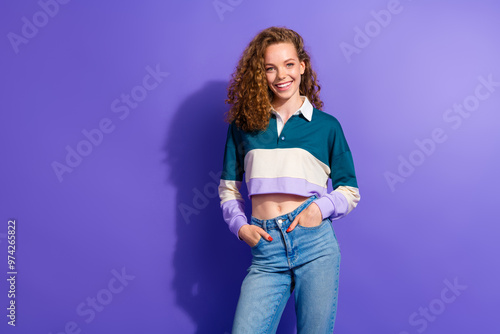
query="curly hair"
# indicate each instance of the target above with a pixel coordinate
(249, 94)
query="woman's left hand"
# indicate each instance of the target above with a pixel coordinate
(309, 217)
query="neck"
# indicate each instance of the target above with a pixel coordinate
(288, 107)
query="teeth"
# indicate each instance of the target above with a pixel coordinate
(284, 85)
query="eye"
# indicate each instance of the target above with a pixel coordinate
(290, 64)
(268, 69)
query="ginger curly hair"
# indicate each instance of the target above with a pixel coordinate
(248, 92)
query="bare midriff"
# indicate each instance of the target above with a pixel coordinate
(267, 206)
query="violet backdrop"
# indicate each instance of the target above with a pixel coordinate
(112, 140)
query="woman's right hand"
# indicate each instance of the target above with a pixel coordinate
(251, 234)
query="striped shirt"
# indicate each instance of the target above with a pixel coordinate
(297, 158)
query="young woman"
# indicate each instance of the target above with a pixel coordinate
(287, 148)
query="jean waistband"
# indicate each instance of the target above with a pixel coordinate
(273, 222)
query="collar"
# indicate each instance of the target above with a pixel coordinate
(306, 109)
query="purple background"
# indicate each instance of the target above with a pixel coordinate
(120, 207)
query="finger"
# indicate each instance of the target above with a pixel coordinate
(266, 236)
(293, 224)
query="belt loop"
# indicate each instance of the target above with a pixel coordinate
(290, 217)
(264, 225)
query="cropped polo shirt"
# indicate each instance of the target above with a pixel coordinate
(310, 149)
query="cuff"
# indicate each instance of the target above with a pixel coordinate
(325, 206)
(236, 224)
(333, 205)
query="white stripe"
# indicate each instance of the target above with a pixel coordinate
(229, 189)
(352, 195)
(285, 162)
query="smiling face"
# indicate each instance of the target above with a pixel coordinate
(283, 71)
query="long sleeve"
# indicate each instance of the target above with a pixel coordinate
(231, 201)
(345, 196)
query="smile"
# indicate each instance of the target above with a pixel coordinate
(284, 85)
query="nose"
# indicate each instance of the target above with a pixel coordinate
(281, 73)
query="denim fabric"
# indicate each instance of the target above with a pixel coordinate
(306, 260)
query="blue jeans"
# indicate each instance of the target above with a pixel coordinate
(306, 260)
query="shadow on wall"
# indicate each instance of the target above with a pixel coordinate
(210, 262)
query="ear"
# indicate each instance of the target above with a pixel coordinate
(302, 67)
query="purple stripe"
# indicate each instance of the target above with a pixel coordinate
(287, 185)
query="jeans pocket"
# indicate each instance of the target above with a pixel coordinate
(323, 222)
(258, 243)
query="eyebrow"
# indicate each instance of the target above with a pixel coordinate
(284, 61)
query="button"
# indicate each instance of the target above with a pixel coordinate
(283, 138)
